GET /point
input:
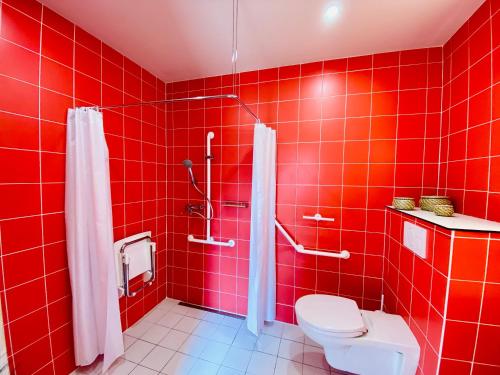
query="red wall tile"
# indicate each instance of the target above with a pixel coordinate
(468, 112)
(471, 303)
(345, 128)
(335, 153)
(446, 297)
(415, 287)
(469, 115)
(32, 147)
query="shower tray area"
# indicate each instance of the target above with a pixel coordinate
(177, 339)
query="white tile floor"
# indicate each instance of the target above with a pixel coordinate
(177, 340)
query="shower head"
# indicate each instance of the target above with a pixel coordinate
(189, 165)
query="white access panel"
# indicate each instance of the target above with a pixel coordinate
(415, 239)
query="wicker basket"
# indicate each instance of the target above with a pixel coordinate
(444, 210)
(427, 202)
(403, 203)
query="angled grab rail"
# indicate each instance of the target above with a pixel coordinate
(344, 254)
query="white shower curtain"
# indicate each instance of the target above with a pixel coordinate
(262, 275)
(89, 233)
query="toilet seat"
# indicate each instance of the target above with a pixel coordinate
(336, 315)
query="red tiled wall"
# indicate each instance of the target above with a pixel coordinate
(47, 65)
(415, 288)
(470, 153)
(472, 320)
(450, 300)
(469, 174)
(352, 133)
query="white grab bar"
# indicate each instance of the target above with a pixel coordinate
(344, 254)
(211, 241)
(318, 217)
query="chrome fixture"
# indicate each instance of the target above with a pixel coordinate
(186, 99)
(237, 204)
(195, 209)
(149, 276)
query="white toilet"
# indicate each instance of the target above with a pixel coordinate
(358, 341)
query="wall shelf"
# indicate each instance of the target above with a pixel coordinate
(455, 222)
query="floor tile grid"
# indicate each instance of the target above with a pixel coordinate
(175, 340)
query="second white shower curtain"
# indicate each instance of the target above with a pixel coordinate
(262, 275)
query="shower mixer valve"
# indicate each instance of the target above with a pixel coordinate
(194, 208)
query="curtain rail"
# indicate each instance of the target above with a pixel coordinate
(186, 99)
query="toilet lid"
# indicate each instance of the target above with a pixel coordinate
(330, 313)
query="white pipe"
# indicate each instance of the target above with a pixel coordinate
(210, 136)
(344, 254)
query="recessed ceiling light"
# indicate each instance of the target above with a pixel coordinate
(331, 13)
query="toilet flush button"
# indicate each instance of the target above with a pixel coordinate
(415, 239)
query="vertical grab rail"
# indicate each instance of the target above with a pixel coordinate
(210, 136)
(208, 195)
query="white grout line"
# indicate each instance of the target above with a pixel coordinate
(41, 190)
(319, 169)
(368, 183)
(482, 302)
(446, 299)
(438, 182)
(299, 92)
(491, 115)
(344, 132)
(424, 170)
(467, 127)
(141, 116)
(72, 68)
(39, 150)
(238, 256)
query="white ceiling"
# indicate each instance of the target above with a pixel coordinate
(184, 39)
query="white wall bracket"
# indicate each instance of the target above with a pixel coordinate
(318, 217)
(210, 241)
